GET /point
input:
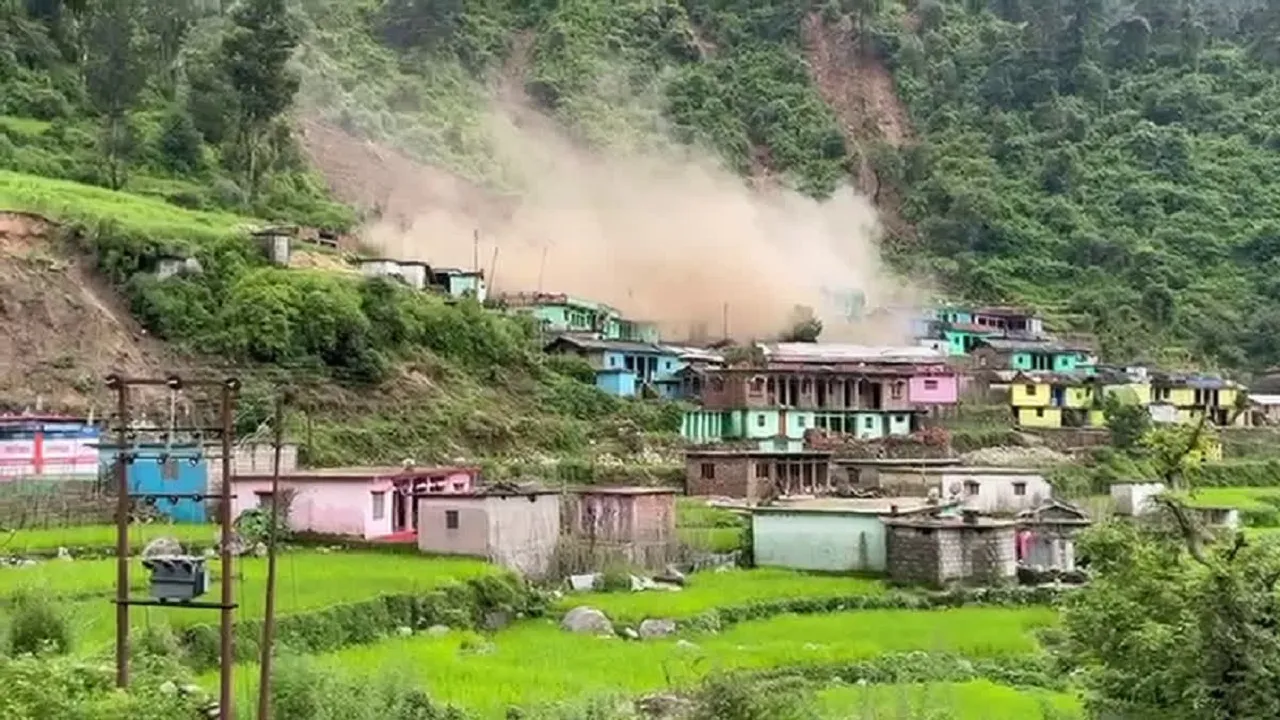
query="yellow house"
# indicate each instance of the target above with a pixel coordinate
(1184, 399)
(1039, 401)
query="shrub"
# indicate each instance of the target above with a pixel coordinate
(37, 625)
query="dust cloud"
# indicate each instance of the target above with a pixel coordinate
(667, 236)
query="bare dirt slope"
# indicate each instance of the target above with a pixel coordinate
(860, 90)
(63, 329)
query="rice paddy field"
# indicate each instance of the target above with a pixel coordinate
(536, 664)
(19, 542)
(307, 581)
(708, 590)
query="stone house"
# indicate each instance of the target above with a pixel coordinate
(756, 474)
(516, 527)
(940, 551)
(1047, 533)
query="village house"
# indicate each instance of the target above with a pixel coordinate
(1011, 321)
(959, 331)
(379, 267)
(1264, 409)
(867, 392)
(559, 314)
(459, 283)
(624, 368)
(636, 524)
(939, 551)
(515, 527)
(756, 474)
(369, 502)
(828, 535)
(1047, 535)
(1035, 355)
(993, 489)
(1177, 398)
(1055, 400)
(1132, 498)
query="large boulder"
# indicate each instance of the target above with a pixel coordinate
(162, 546)
(654, 628)
(586, 621)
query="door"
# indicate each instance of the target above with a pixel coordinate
(397, 510)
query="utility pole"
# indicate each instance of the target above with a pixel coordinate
(124, 456)
(475, 249)
(269, 619)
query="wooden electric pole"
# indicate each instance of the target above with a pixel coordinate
(125, 457)
(269, 618)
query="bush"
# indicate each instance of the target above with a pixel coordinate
(37, 626)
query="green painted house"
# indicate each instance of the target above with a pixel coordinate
(559, 313)
(777, 429)
(1032, 356)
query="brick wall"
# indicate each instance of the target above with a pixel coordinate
(730, 476)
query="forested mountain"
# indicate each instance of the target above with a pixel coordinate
(1113, 163)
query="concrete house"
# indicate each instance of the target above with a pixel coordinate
(993, 489)
(1035, 355)
(460, 283)
(869, 392)
(636, 523)
(623, 368)
(1010, 321)
(757, 474)
(1047, 535)
(940, 551)
(559, 313)
(370, 503)
(828, 535)
(516, 527)
(1177, 398)
(380, 267)
(1135, 498)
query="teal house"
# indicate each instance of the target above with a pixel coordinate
(558, 313)
(784, 429)
(1032, 356)
(624, 368)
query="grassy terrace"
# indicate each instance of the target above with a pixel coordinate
(307, 581)
(708, 590)
(17, 542)
(535, 663)
(975, 700)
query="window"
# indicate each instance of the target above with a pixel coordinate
(613, 361)
(760, 421)
(717, 384)
(264, 500)
(869, 423)
(1039, 412)
(800, 421)
(762, 470)
(895, 391)
(1031, 389)
(450, 519)
(708, 471)
(930, 384)
(757, 384)
(1020, 488)
(379, 505)
(971, 487)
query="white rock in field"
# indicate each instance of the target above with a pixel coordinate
(655, 627)
(686, 645)
(586, 621)
(64, 554)
(404, 631)
(631, 634)
(162, 546)
(436, 631)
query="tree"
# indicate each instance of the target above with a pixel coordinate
(255, 53)
(1127, 422)
(115, 72)
(167, 24)
(804, 326)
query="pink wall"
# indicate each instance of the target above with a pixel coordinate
(945, 393)
(338, 507)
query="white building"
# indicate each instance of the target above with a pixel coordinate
(995, 489)
(1135, 498)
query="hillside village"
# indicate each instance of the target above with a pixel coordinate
(406, 360)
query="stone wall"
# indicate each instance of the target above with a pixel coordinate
(928, 443)
(938, 554)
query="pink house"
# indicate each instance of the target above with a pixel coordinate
(370, 503)
(940, 387)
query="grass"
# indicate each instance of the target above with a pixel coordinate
(307, 581)
(706, 590)
(67, 201)
(24, 126)
(974, 700)
(1243, 498)
(17, 542)
(711, 539)
(535, 663)
(708, 528)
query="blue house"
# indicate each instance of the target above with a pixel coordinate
(623, 368)
(157, 468)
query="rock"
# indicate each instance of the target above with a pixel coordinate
(639, 583)
(436, 631)
(64, 554)
(404, 631)
(630, 634)
(260, 550)
(586, 621)
(583, 583)
(496, 620)
(671, 575)
(654, 627)
(162, 546)
(686, 645)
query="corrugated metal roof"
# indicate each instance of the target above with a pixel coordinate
(1265, 399)
(841, 353)
(611, 345)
